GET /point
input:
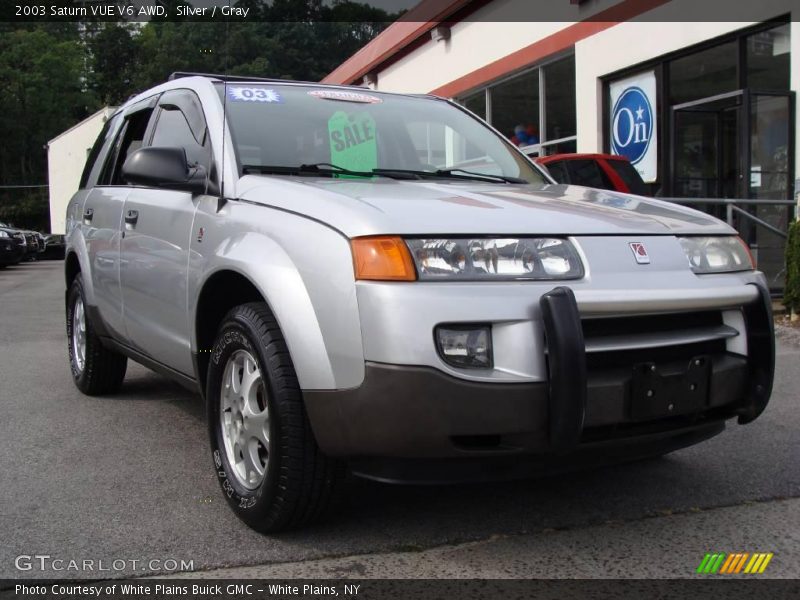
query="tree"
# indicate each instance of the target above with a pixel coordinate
(114, 55)
(40, 96)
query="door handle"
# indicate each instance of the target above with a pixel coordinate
(88, 214)
(131, 217)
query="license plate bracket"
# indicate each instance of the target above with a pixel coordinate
(669, 389)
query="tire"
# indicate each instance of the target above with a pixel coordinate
(269, 466)
(96, 370)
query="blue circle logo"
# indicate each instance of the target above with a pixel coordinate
(631, 125)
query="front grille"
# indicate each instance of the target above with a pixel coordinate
(644, 369)
(622, 341)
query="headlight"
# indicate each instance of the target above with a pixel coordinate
(491, 259)
(722, 254)
(4, 234)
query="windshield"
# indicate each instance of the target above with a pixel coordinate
(289, 126)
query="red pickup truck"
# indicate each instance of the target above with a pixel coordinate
(604, 171)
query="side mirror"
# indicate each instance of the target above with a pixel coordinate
(164, 167)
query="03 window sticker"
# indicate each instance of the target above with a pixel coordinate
(254, 94)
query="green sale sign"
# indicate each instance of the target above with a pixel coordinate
(352, 138)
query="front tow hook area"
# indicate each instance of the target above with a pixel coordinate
(566, 367)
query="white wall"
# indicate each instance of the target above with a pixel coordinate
(66, 156)
(490, 34)
(472, 45)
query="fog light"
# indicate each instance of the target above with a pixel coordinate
(465, 346)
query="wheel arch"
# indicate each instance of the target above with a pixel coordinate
(282, 290)
(222, 291)
(72, 267)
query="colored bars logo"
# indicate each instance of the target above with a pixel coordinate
(738, 562)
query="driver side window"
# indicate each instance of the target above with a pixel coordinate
(172, 130)
(130, 139)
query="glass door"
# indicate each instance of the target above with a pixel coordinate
(707, 142)
(770, 163)
(739, 145)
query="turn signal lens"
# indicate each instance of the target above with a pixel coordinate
(382, 259)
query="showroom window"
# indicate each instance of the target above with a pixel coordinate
(704, 74)
(535, 109)
(768, 59)
(476, 103)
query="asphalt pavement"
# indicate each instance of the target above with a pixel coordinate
(129, 478)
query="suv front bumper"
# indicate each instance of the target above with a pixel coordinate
(654, 400)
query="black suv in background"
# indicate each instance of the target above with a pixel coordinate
(33, 242)
(12, 247)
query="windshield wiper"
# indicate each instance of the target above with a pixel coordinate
(330, 170)
(464, 174)
(325, 169)
(452, 174)
(304, 170)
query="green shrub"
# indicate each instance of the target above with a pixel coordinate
(791, 295)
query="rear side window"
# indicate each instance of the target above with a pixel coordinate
(630, 176)
(93, 163)
(588, 173)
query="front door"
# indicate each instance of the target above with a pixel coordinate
(154, 257)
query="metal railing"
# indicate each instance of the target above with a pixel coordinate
(773, 264)
(732, 208)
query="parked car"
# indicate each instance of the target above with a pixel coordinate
(602, 171)
(41, 242)
(382, 283)
(54, 246)
(20, 240)
(12, 249)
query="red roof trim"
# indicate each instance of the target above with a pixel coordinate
(415, 23)
(561, 40)
(420, 19)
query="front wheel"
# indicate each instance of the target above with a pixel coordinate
(95, 369)
(268, 463)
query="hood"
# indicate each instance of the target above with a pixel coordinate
(359, 207)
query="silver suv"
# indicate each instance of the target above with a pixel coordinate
(382, 284)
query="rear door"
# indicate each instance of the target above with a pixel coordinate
(155, 247)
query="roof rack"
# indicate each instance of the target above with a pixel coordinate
(181, 74)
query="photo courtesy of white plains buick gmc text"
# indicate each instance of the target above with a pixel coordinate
(379, 284)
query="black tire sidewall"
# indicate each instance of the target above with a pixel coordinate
(75, 292)
(252, 506)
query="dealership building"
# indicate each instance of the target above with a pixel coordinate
(704, 109)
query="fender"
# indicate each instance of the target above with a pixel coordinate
(76, 244)
(304, 271)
